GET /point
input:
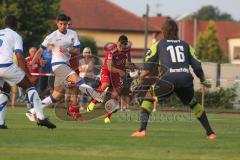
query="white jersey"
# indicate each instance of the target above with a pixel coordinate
(56, 40)
(10, 42)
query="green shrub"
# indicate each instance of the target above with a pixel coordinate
(221, 98)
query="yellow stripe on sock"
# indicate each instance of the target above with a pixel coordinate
(198, 110)
(148, 105)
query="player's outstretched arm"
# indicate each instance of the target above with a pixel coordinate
(196, 64)
(36, 56)
(22, 64)
(197, 68)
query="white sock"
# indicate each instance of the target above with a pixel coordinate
(32, 110)
(88, 90)
(35, 100)
(3, 107)
(45, 102)
(84, 87)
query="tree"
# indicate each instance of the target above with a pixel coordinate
(35, 18)
(91, 43)
(208, 47)
(212, 13)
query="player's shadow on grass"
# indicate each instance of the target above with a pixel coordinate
(99, 111)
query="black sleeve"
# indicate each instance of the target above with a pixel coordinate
(151, 58)
(195, 63)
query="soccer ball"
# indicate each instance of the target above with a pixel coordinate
(111, 105)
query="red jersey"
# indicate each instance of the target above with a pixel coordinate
(35, 67)
(118, 58)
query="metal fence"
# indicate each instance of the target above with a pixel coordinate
(224, 76)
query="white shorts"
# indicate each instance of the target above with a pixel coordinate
(12, 75)
(61, 74)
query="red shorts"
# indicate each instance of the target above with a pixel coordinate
(114, 80)
(117, 82)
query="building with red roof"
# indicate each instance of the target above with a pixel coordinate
(189, 29)
(105, 21)
(158, 20)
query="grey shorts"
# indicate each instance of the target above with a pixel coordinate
(61, 74)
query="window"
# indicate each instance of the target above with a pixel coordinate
(236, 53)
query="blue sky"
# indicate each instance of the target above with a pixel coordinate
(176, 8)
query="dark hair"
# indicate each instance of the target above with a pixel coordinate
(62, 17)
(69, 18)
(157, 33)
(122, 38)
(170, 30)
(10, 21)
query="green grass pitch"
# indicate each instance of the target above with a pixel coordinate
(94, 140)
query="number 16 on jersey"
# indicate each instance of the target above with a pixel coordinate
(177, 53)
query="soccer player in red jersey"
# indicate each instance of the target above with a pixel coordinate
(35, 67)
(113, 70)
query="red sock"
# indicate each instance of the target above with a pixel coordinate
(108, 115)
(94, 101)
(73, 108)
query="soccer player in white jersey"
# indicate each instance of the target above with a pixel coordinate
(63, 42)
(10, 44)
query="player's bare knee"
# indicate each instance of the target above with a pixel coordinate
(57, 95)
(74, 78)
